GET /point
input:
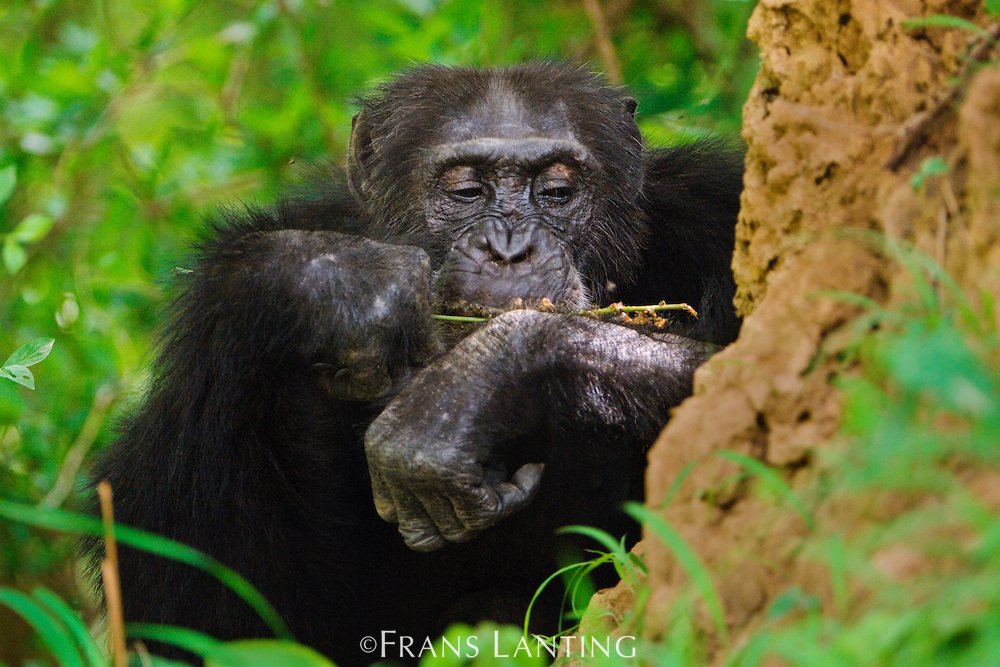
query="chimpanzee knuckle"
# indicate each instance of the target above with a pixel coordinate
(422, 538)
(405, 460)
(432, 468)
(363, 375)
(386, 509)
(483, 508)
(457, 537)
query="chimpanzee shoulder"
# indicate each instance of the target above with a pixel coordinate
(691, 197)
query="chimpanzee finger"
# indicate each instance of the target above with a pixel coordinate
(442, 512)
(380, 494)
(492, 503)
(415, 525)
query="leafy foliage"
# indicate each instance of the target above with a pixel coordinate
(29, 354)
(122, 124)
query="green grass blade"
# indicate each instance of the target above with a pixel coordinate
(772, 481)
(688, 559)
(265, 653)
(675, 486)
(53, 635)
(465, 319)
(946, 21)
(58, 608)
(82, 524)
(542, 586)
(191, 641)
(603, 538)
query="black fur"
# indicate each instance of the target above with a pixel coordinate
(244, 447)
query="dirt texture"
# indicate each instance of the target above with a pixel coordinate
(845, 89)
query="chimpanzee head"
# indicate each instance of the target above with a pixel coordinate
(521, 182)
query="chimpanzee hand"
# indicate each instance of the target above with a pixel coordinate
(433, 453)
(374, 316)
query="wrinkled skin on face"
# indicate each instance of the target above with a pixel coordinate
(516, 208)
(502, 191)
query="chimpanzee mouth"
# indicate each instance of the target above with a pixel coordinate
(556, 287)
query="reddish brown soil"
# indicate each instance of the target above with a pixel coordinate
(844, 89)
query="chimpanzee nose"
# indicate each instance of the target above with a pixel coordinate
(508, 244)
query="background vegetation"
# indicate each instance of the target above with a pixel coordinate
(123, 121)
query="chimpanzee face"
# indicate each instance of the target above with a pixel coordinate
(516, 192)
(513, 208)
(512, 193)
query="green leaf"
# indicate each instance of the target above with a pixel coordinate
(945, 21)
(33, 228)
(8, 179)
(932, 166)
(18, 374)
(993, 7)
(265, 653)
(75, 626)
(688, 560)
(772, 481)
(191, 641)
(57, 639)
(14, 256)
(83, 524)
(31, 353)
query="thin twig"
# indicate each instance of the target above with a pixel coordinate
(310, 72)
(112, 583)
(916, 129)
(605, 47)
(229, 96)
(467, 319)
(103, 399)
(593, 312)
(619, 308)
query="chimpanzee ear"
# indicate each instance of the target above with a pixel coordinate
(359, 154)
(630, 104)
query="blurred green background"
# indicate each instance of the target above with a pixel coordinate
(122, 122)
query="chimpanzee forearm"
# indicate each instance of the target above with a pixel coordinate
(609, 375)
(432, 452)
(352, 313)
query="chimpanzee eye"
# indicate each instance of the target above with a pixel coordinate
(556, 184)
(558, 193)
(468, 191)
(462, 182)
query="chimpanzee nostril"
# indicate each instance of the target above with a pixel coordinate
(506, 245)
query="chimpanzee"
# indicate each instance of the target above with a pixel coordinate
(301, 373)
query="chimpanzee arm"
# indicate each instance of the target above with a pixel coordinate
(432, 452)
(352, 312)
(278, 337)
